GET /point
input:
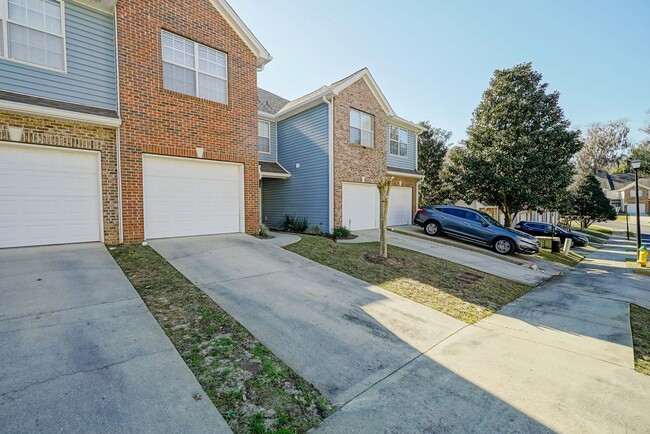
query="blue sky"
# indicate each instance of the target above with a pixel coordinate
(433, 59)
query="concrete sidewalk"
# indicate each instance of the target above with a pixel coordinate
(80, 352)
(468, 258)
(561, 355)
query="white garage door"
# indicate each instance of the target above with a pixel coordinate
(48, 196)
(360, 206)
(184, 197)
(399, 206)
(631, 208)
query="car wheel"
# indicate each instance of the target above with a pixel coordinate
(503, 246)
(573, 242)
(432, 228)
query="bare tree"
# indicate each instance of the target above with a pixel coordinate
(604, 146)
(383, 184)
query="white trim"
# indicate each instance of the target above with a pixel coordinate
(29, 109)
(263, 56)
(276, 143)
(399, 142)
(372, 84)
(4, 16)
(118, 141)
(101, 196)
(631, 184)
(273, 175)
(304, 105)
(269, 137)
(404, 175)
(396, 120)
(360, 127)
(330, 158)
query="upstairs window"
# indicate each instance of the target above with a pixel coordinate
(264, 136)
(32, 32)
(398, 141)
(362, 128)
(194, 69)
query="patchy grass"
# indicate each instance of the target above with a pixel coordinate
(640, 320)
(636, 268)
(570, 260)
(453, 289)
(594, 231)
(253, 389)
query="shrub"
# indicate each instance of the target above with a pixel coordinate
(296, 224)
(314, 230)
(264, 231)
(340, 232)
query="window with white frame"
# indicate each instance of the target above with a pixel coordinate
(194, 69)
(264, 136)
(398, 141)
(362, 128)
(33, 32)
(633, 193)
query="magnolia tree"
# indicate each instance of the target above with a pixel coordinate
(383, 185)
(518, 148)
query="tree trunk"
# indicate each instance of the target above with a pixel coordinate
(383, 185)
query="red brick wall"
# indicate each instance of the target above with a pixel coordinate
(155, 120)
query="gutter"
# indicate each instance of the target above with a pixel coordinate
(330, 155)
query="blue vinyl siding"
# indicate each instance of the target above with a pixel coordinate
(407, 162)
(91, 77)
(302, 139)
(274, 145)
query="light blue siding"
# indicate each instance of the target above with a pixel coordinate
(303, 140)
(274, 145)
(91, 69)
(407, 162)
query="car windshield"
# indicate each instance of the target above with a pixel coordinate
(559, 230)
(489, 218)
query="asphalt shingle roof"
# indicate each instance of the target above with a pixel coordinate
(268, 102)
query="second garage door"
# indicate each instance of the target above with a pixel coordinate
(184, 197)
(360, 206)
(399, 206)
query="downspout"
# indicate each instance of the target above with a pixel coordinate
(330, 155)
(118, 144)
(417, 158)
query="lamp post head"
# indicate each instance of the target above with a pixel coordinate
(636, 164)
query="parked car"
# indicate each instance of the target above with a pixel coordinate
(476, 227)
(546, 230)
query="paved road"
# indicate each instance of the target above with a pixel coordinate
(468, 258)
(80, 352)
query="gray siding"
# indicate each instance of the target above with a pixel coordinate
(91, 72)
(274, 145)
(407, 162)
(302, 139)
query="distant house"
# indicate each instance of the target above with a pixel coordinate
(619, 189)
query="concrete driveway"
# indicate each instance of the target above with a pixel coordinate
(80, 352)
(477, 261)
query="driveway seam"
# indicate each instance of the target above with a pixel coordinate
(3, 318)
(57, 270)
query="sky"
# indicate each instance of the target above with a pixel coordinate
(433, 59)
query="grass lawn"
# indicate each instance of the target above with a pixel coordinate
(253, 389)
(636, 268)
(570, 260)
(594, 231)
(640, 319)
(453, 289)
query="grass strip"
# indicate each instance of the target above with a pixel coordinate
(640, 321)
(570, 260)
(254, 390)
(458, 291)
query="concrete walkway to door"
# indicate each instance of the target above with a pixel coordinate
(80, 352)
(468, 258)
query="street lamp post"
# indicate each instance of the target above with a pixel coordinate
(636, 164)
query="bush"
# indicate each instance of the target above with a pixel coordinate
(296, 224)
(314, 230)
(340, 232)
(264, 231)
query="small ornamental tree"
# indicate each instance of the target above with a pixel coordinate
(432, 147)
(590, 204)
(383, 185)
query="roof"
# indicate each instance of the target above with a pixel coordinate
(405, 172)
(54, 104)
(268, 102)
(314, 97)
(273, 170)
(617, 181)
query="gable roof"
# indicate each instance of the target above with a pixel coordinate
(614, 181)
(643, 182)
(316, 96)
(263, 56)
(268, 102)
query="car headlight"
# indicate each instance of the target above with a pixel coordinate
(525, 240)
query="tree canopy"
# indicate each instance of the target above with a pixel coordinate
(589, 204)
(604, 146)
(518, 148)
(432, 147)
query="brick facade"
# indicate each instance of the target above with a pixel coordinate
(644, 198)
(354, 163)
(57, 133)
(155, 120)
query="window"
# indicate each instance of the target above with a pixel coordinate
(194, 69)
(32, 32)
(362, 128)
(633, 193)
(398, 141)
(264, 136)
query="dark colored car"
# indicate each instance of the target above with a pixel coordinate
(546, 230)
(474, 226)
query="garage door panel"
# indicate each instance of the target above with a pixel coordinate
(185, 197)
(360, 206)
(48, 196)
(399, 206)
